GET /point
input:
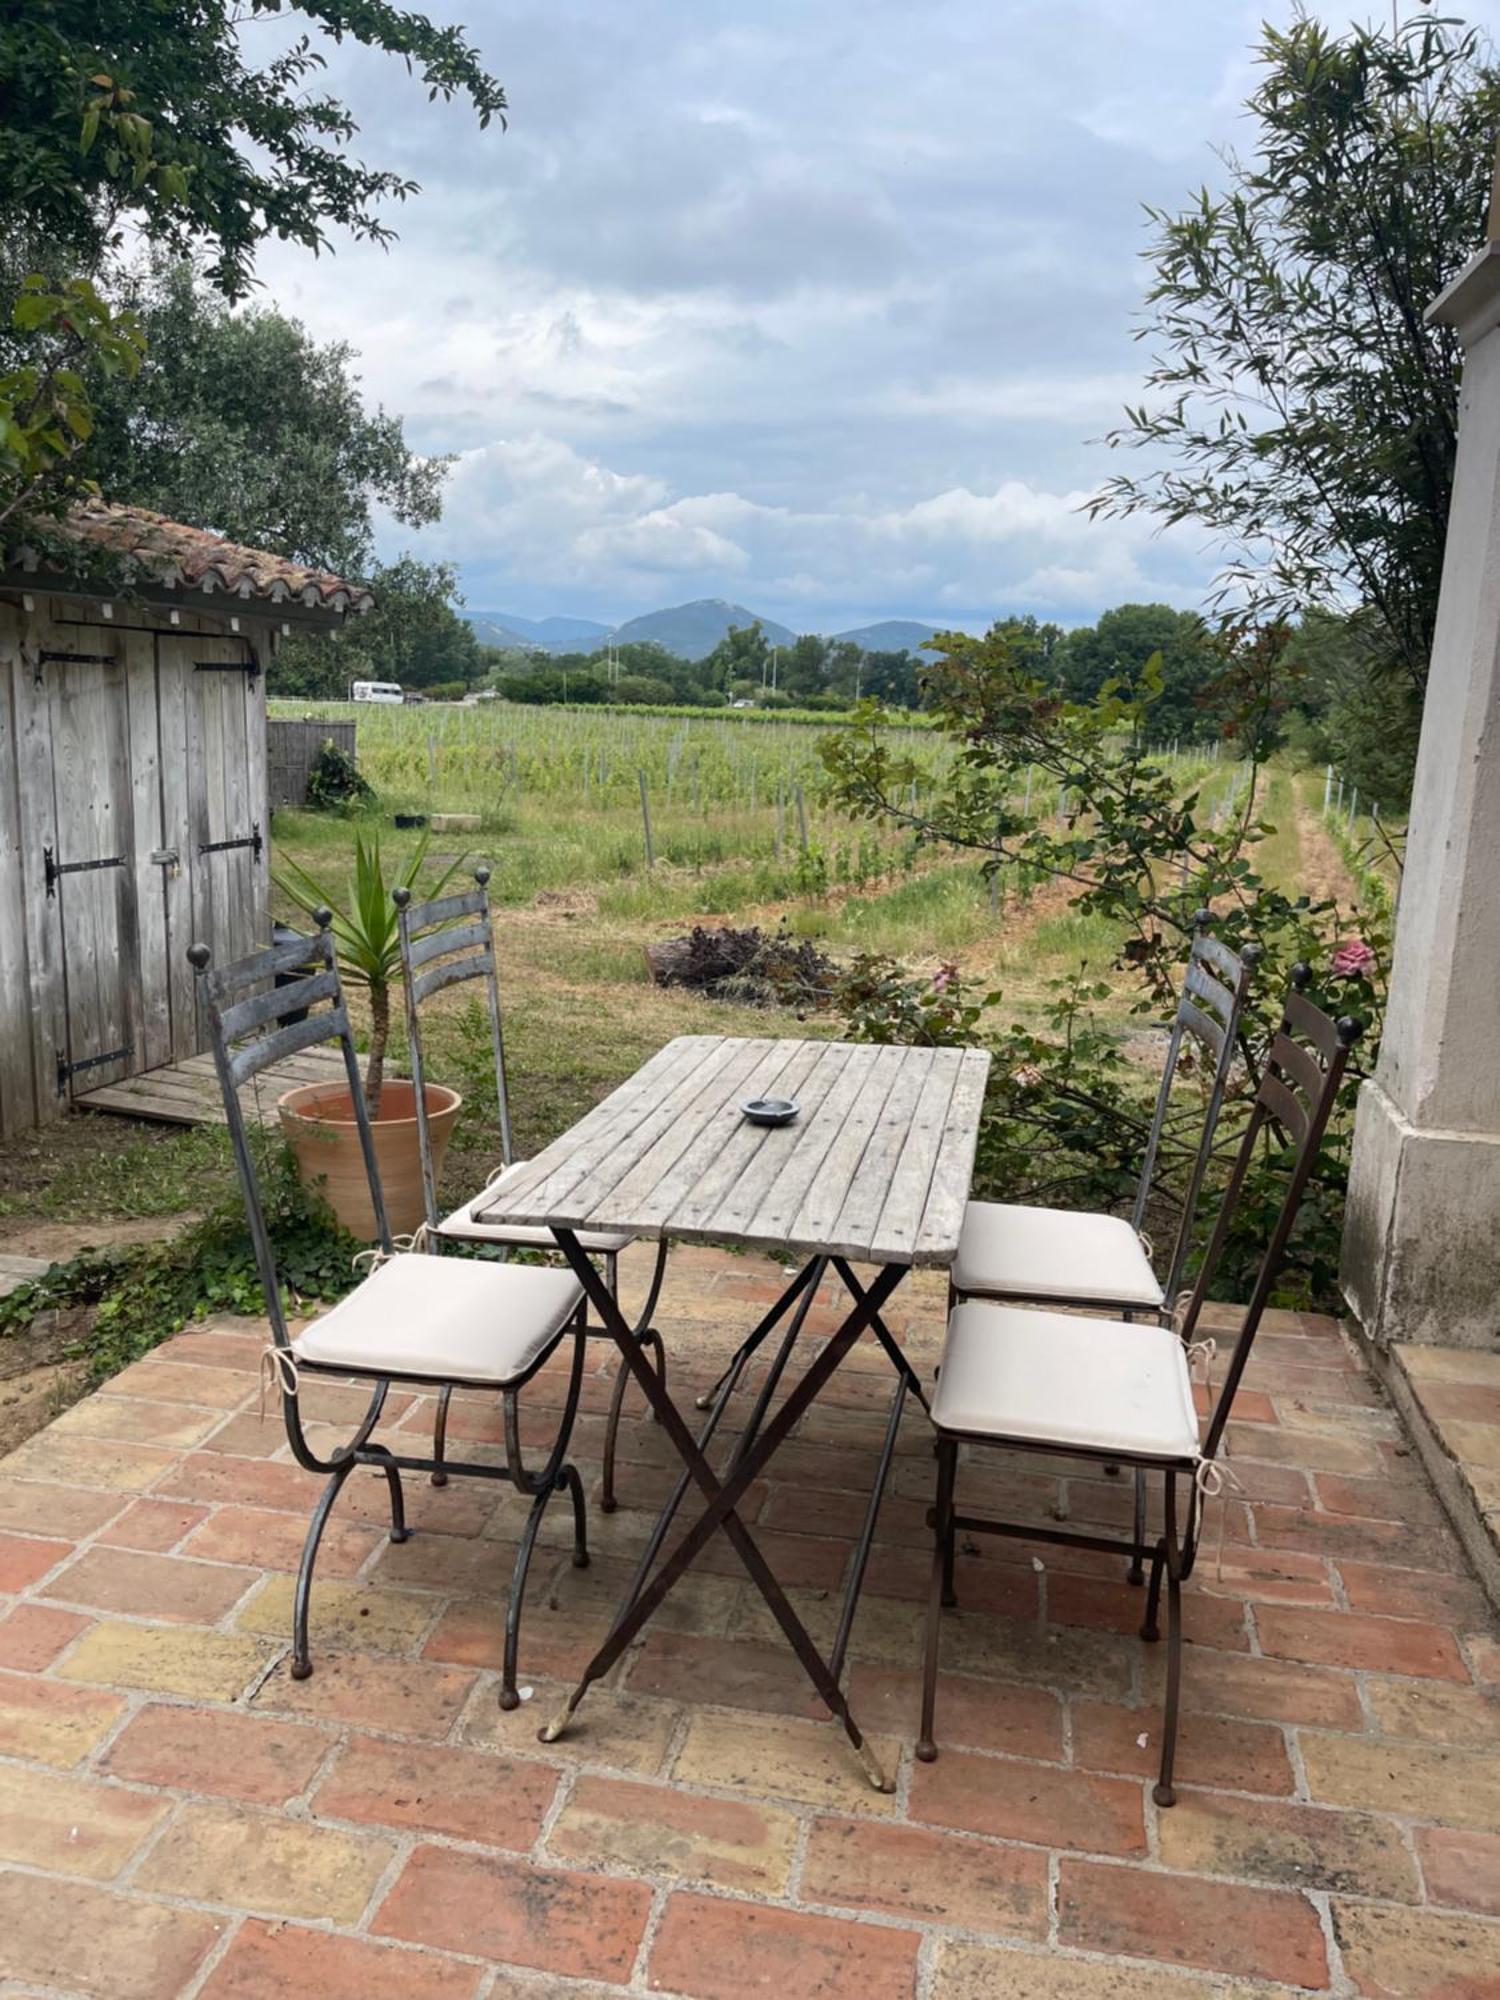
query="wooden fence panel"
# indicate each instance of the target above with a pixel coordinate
(293, 750)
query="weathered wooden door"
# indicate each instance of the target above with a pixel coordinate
(224, 809)
(89, 859)
(213, 809)
(132, 822)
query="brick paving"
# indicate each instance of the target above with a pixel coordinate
(178, 1817)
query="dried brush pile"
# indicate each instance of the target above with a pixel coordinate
(746, 965)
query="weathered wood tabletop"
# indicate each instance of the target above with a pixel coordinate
(875, 1168)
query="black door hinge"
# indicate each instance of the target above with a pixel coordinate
(47, 658)
(52, 868)
(66, 1071)
(252, 840)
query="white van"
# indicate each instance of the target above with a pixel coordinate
(376, 691)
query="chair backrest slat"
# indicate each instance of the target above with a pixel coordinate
(1297, 1066)
(444, 909)
(430, 934)
(1209, 1010)
(246, 1015)
(1208, 1030)
(1284, 1107)
(457, 937)
(231, 1004)
(436, 977)
(296, 955)
(1303, 1018)
(1213, 951)
(1202, 983)
(1307, 1123)
(250, 1058)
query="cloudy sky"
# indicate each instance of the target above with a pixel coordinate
(819, 307)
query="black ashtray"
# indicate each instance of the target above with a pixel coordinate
(770, 1110)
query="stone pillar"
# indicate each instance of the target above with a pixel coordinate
(1421, 1259)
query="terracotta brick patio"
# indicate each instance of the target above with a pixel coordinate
(178, 1817)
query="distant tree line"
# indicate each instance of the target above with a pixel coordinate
(816, 672)
(811, 672)
(1312, 679)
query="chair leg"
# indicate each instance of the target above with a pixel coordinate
(569, 1476)
(1163, 1791)
(509, 1693)
(938, 1592)
(399, 1530)
(301, 1657)
(607, 1499)
(950, 1540)
(440, 1434)
(1150, 1630)
(1135, 1574)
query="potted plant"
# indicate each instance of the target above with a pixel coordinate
(318, 1118)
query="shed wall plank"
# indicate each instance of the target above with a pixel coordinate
(18, 1111)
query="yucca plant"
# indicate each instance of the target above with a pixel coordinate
(365, 933)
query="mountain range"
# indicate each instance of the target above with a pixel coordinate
(691, 631)
(558, 635)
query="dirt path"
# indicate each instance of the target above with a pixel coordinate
(1324, 873)
(56, 1241)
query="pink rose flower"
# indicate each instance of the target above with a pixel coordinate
(1354, 959)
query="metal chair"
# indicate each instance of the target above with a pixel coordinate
(1067, 1257)
(444, 942)
(444, 1325)
(1073, 1257)
(1117, 1391)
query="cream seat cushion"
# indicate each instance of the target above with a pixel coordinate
(444, 1319)
(462, 1227)
(1042, 1377)
(1053, 1253)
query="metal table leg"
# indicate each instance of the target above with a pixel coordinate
(722, 1497)
(883, 1334)
(802, 1291)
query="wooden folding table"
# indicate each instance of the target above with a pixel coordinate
(874, 1170)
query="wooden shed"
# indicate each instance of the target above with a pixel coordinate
(134, 813)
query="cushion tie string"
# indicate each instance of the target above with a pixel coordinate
(365, 1263)
(1216, 1481)
(1180, 1307)
(278, 1370)
(1147, 1245)
(1201, 1361)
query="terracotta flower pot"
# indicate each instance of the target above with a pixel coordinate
(317, 1120)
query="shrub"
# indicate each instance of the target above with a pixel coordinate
(1068, 1111)
(883, 1002)
(638, 689)
(334, 783)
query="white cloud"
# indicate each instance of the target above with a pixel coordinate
(821, 308)
(533, 507)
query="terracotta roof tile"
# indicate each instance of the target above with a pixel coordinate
(198, 559)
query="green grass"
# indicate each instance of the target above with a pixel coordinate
(108, 1168)
(577, 904)
(558, 792)
(490, 758)
(1278, 856)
